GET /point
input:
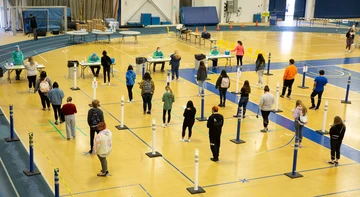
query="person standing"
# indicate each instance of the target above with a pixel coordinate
(103, 147)
(337, 132)
(43, 86)
(289, 78)
(239, 53)
(106, 63)
(259, 69)
(318, 89)
(189, 120)
(18, 59)
(175, 64)
(201, 77)
(265, 105)
(215, 123)
(214, 52)
(94, 117)
(300, 119)
(55, 96)
(349, 40)
(69, 111)
(130, 81)
(158, 55)
(244, 98)
(147, 87)
(222, 83)
(33, 26)
(168, 99)
(94, 58)
(31, 71)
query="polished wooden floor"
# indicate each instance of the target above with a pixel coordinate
(252, 169)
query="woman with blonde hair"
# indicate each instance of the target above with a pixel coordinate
(300, 119)
(168, 99)
(337, 133)
(175, 64)
(31, 70)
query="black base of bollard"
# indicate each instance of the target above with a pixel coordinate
(268, 74)
(303, 87)
(77, 88)
(28, 173)
(240, 141)
(15, 139)
(235, 92)
(201, 119)
(151, 155)
(277, 111)
(345, 102)
(90, 105)
(193, 191)
(293, 176)
(122, 128)
(264, 131)
(322, 133)
(207, 79)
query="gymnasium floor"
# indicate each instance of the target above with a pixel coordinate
(252, 169)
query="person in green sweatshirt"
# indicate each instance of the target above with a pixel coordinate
(18, 59)
(94, 58)
(159, 55)
(214, 52)
(168, 99)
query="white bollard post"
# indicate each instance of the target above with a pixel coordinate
(238, 75)
(75, 78)
(237, 101)
(277, 110)
(154, 153)
(196, 189)
(94, 86)
(122, 126)
(323, 130)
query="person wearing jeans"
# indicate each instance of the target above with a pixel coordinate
(55, 96)
(222, 83)
(289, 78)
(265, 105)
(175, 64)
(259, 69)
(201, 77)
(318, 89)
(34, 26)
(69, 111)
(130, 81)
(147, 87)
(94, 117)
(42, 92)
(300, 110)
(244, 99)
(31, 71)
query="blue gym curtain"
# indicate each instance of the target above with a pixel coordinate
(278, 7)
(337, 9)
(299, 10)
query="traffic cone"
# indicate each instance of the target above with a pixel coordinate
(242, 26)
(230, 26)
(204, 29)
(256, 23)
(196, 30)
(218, 28)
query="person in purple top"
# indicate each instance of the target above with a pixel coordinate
(318, 89)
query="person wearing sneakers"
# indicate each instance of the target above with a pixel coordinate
(31, 71)
(147, 87)
(168, 99)
(106, 63)
(259, 69)
(337, 132)
(43, 86)
(55, 96)
(69, 111)
(318, 89)
(175, 64)
(158, 55)
(130, 81)
(222, 83)
(201, 77)
(289, 78)
(94, 117)
(300, 119)
(244, 98)
(239, 53)
(18, 59)
(265, 105)
(215, 123)
(94, 58)
(189, 120)
(103, 147)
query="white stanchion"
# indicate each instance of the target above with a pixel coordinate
(94, 85)
(154, 153)
(75, 78)
(277, 110)
(323, 130)
(238, 75)
(122, 125)
(196, 189)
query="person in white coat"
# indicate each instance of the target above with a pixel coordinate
(31, 71)
(103, 147)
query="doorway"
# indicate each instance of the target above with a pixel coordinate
(289, 10)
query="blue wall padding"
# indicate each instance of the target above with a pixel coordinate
(199, 16)
(56, 18)
(337, 9)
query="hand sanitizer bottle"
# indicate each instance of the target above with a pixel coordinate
(6, 64)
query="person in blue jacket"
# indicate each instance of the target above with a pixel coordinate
(94, 58)
(130, 81)
(56, 96)
(175, 64)
(18, 59)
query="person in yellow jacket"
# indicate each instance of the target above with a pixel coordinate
(289, 78)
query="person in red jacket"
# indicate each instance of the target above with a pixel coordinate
(69, 110)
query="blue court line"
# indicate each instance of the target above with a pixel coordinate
(346, 191)
(111, 188)
(280, 120)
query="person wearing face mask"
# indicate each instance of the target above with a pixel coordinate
(158, 55)
(215, 124)
(18, 59)
(168, 99)
(94, 58)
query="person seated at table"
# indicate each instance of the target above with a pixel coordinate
(94, 58)
(214, 52)
(158, 55)
(18, 59)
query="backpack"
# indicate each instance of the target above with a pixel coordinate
(303, 119)
(205, 35)
(147, 87)
(94, 120)
(44, 86)
(225, 82)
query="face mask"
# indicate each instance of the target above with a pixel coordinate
(158, 50)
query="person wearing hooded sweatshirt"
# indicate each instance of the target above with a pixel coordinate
(94, 117)
(103, 147)
(215, 124)
(55, 96)
(18, 59)
(43, 86)
(168, 99)
(94, 58)
(130, 81)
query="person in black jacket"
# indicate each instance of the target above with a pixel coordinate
(189, 120)
(106, 63)
(94, 117)
(33, 26)
(215, 124)
(337, 133)
(222, 83)
(244, 98)
(201, 77)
